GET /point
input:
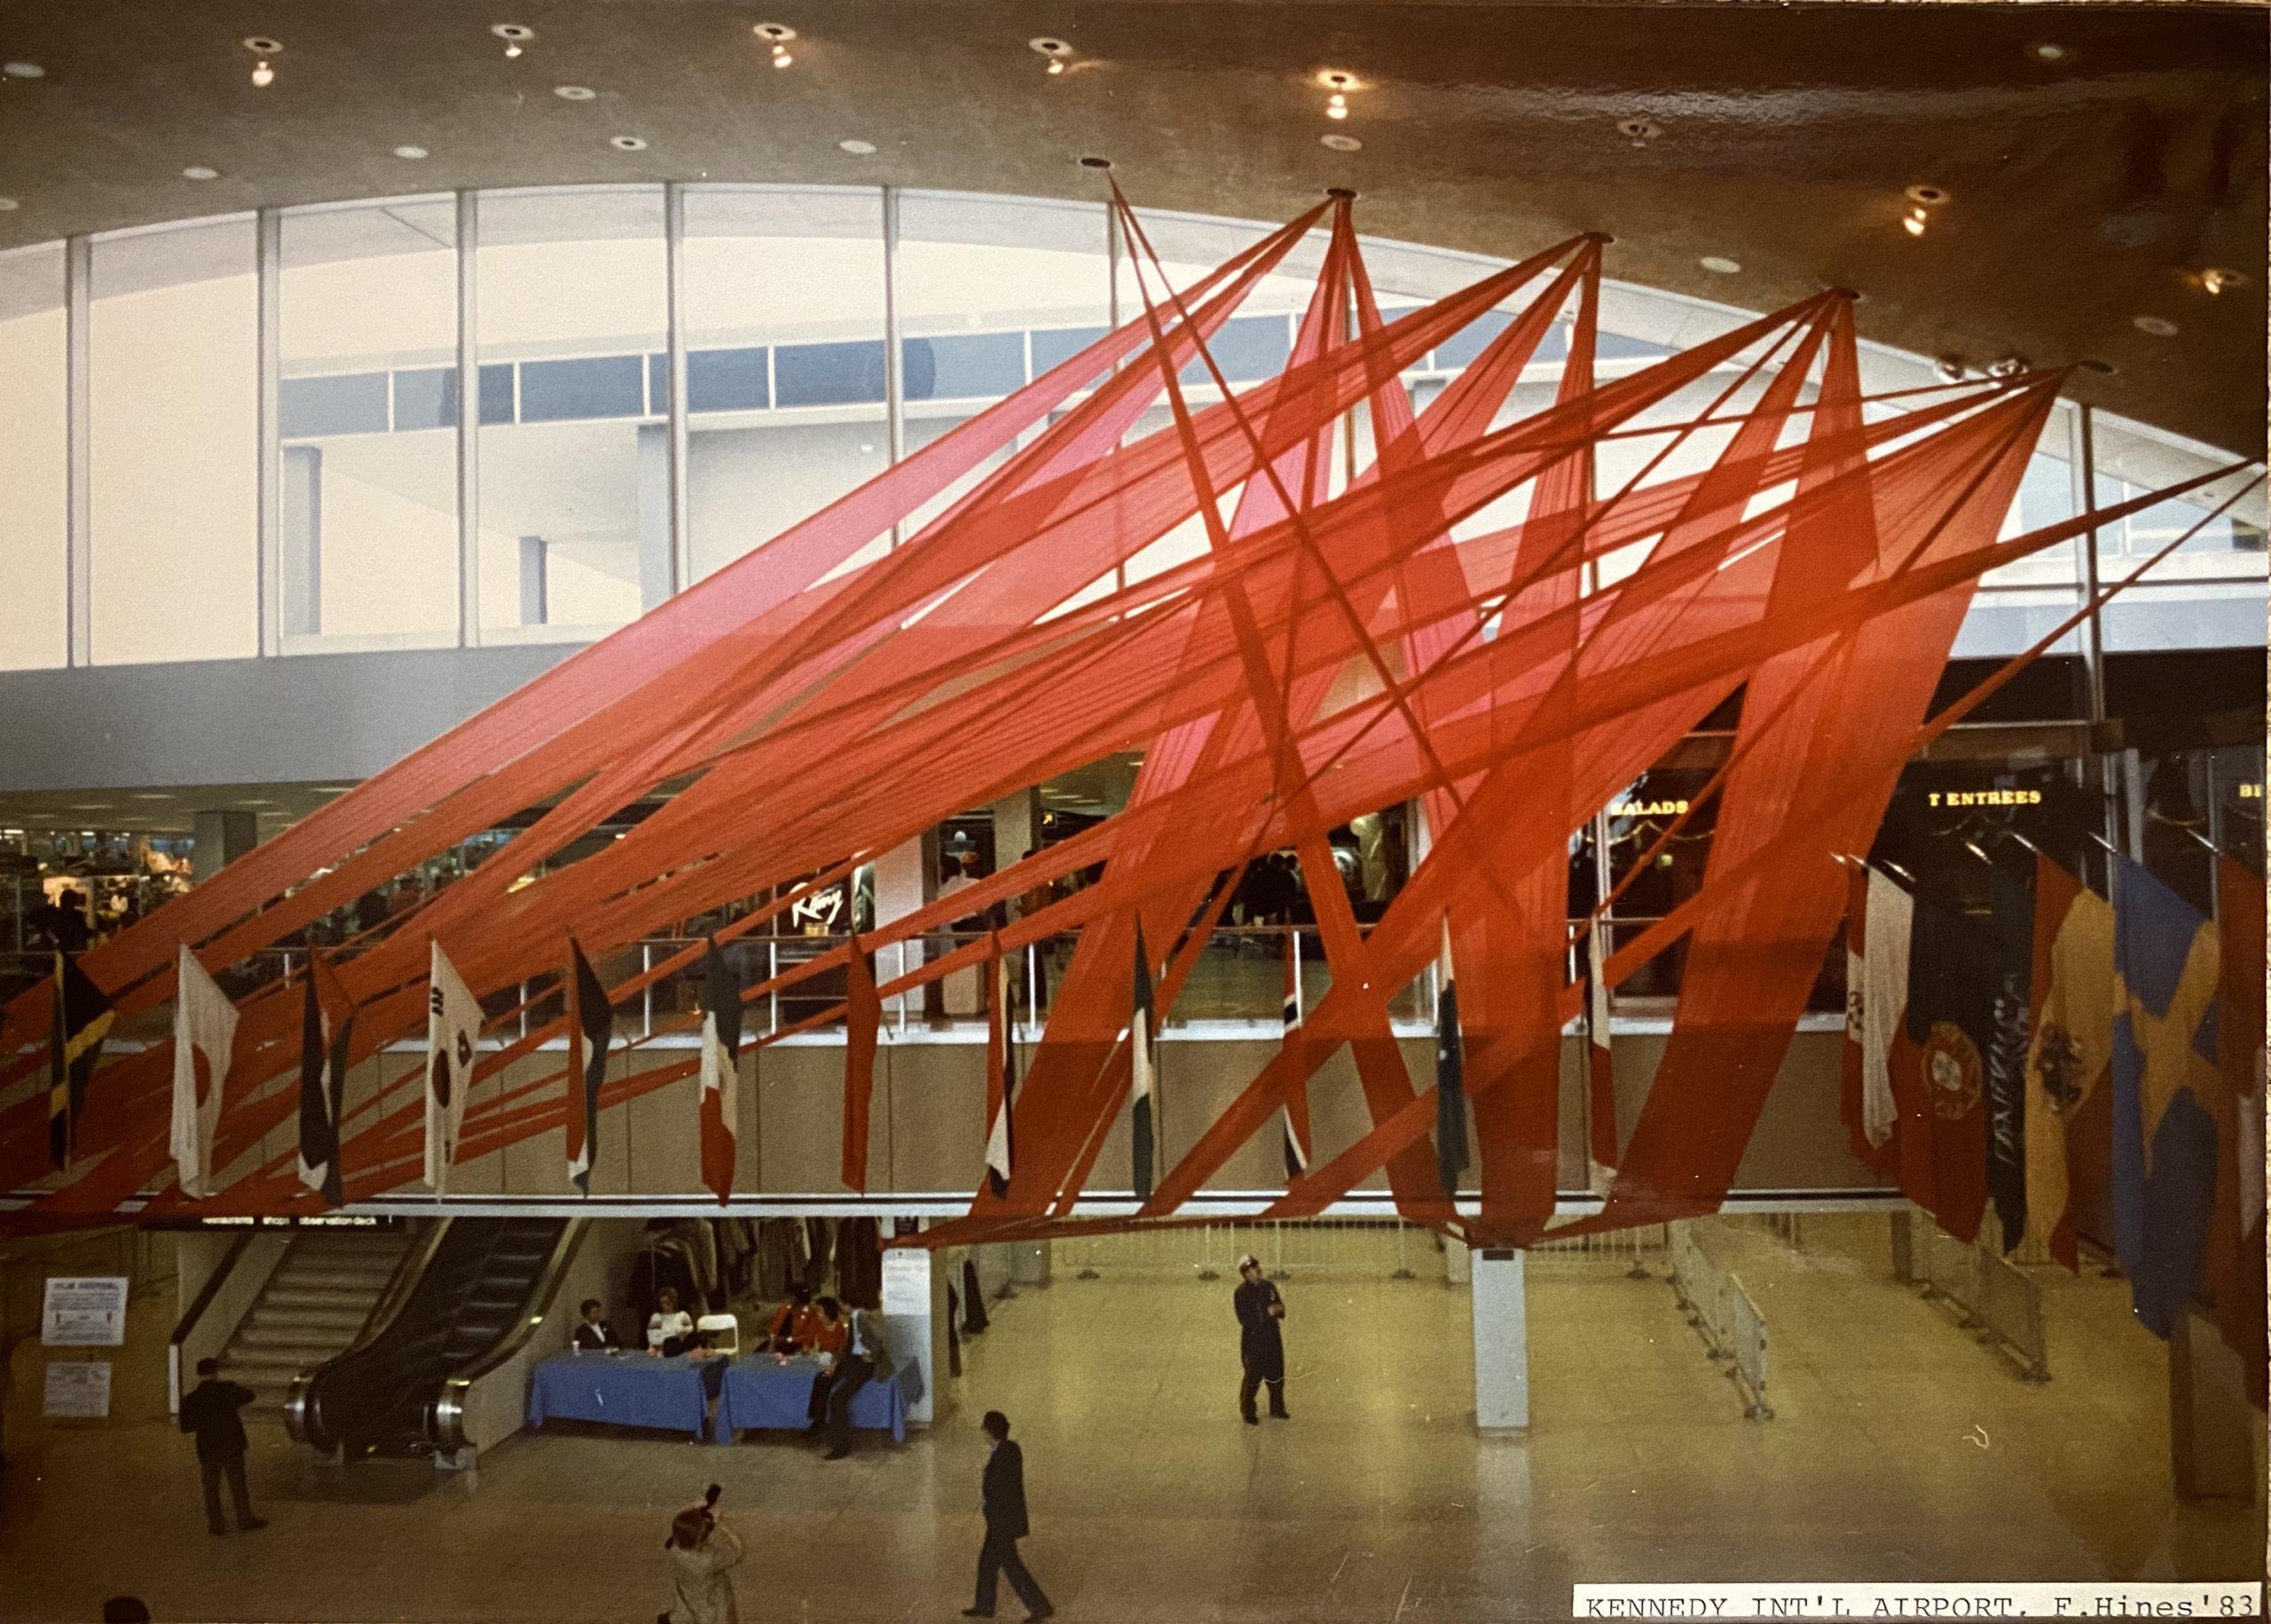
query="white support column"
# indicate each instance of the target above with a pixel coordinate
(901, 888)
(914, 1325)
(1501, 1341)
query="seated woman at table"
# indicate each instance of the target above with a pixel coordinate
(594, 1333)
(829, 1334)
(785, 1334)
(670, 1330)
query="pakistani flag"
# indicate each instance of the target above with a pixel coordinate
(721, 1041)
(82, 1018)
(205, 1036)
(1001, 1073)
(326, 1026)
(1142, 1085)
(1450, 1093)
(1297, 1150)
(590, 1028)
(453, 1027)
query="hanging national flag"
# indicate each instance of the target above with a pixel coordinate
(1938, 1065)
(205, 1036)
(326, 1026)
(863, 1015)
(1450, 1061)
(1000, 1072)
(2070, 1045)
(2011, 907)
(2235, 1274)
(1142, 1078)
(1296, 1096)
(721, 1044)
(82, 1019)
(1888, 920)
(2165, 1081)
(1600, 1068)
(1849, 1066)
(453, 1029)
(590, 1028)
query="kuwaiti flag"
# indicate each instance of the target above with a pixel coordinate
(1600, 1071)
(82, 1018)
(205, 1038)
(1296, 1096)
(453, 1030)
(1001, 1073)
(1142, 1080)
(2069, 1047)
(721, 1043)
(1888, 920)
(327, 1027)
(590, 1028)
(2165, 1082)
(1451, 1065)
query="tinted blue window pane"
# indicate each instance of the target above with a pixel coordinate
(1054, 346)
(1612, 347)
(1470, 341)
(497, 392)
(829, 374)
(976, 364)
(427, 398)
(1245, 347)
(658, 384)
(595, 386)
(727, 381)
(354, 404)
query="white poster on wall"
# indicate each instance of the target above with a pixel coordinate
(84, 1311)
(907, 1283)
(78, 1389)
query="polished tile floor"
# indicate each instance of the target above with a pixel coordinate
(1151, 1502)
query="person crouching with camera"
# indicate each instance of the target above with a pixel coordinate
(702, 1549)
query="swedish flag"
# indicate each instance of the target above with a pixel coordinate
(83, 1018)
(2165, 1086)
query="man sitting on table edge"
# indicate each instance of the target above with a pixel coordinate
(595, 1333)
(857, 1358)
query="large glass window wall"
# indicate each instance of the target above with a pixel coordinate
(346, 529)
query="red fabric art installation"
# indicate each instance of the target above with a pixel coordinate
(1466, 617)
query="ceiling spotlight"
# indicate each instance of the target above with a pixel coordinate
(1952, 369)
(1913, 222)
(1639, 129)
(263, 48)
(410, 152)
(627, 143)
(574, 92)
(1337, 107)
(1343, 144)
(859, 149)
(199, 171)
(262, 74)
(2048, 50)
(2010, 366)
(1055, 65)
(2215, 279)
(8, 205)
(513, 34)
(2156, 326)
(1718, 264)
(23, 70)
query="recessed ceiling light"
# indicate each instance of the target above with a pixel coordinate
(1055, 50)
(1952, 369)
(574, 92)
(1639, 129)
(1927, 194)
(2158, 326)
(2049, 51)
(327, 789)
(627, 143)
(2100, 367)
(410, 152)
(24, 70)
(2010, 366)
(200, 171)
(859, 149)
(1339, 79)
(1096, 163)
(513, 34)
(88, 806)
(1343, 144)
(778, 33)
(1718, 264)
(152, 795)
(262, 45)
(6, 204)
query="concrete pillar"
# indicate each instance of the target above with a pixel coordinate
(1029, 1263)
(221, 839)
(2210, 1424)
(914, 1325)
(1017, 826)
(901, 887)
(1501, 1341)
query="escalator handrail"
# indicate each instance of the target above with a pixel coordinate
(445, 1413)
(399, 1289)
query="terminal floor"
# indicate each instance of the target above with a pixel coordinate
(1900, 1450)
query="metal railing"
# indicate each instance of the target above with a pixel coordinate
(1719, 1307)
(1990, 1295)
(1378, 1248)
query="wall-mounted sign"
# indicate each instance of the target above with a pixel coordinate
(906, 1282)
(286, 1221)
(77, 1389)
(2251, 792)
(83, 1311)
(818, 913)
(1985, 797)
(1647, 809)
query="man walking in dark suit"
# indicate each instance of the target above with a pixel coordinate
(1004, 1502)
(210, 1410)
(1262, 1349)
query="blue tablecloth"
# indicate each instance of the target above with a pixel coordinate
(760, 1392)
(635, 1389)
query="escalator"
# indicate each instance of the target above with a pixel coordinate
(482, 1282)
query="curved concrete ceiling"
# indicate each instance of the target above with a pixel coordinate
(2095, 159)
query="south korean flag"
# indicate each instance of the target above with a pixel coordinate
(453, 1028)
